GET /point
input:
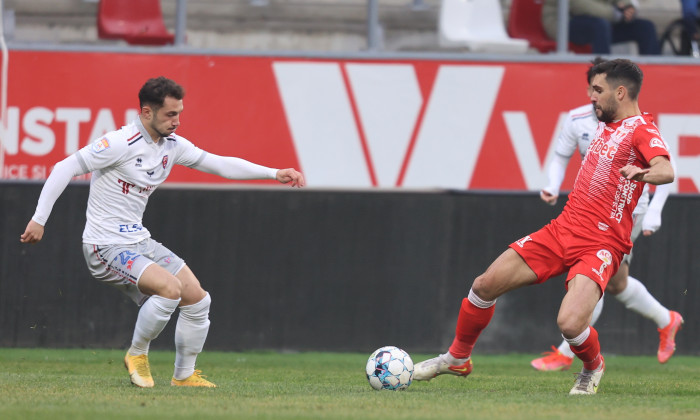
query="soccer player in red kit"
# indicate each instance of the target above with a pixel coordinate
(589, 237)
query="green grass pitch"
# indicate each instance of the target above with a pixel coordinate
(93, 384)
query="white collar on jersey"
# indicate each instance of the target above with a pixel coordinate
(143, 130)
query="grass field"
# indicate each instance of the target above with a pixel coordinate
(93, 384)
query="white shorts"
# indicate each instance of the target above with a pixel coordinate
(121, 266)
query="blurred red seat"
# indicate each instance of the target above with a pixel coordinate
(138, 22)
(525, 22)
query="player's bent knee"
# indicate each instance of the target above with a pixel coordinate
(483, 288)
(571, 327)
(156, 281)
(172, 289)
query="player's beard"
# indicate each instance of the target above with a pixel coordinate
(607, 114)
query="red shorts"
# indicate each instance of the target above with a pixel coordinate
(553, 249)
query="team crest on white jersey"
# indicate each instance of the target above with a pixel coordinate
(165, 161)
(521, 242)
(100, 145)
(657, 142)
(606, 257)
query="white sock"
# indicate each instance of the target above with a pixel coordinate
(637, 298)
(579, 339)
(453, 361)
(152, 318)
(190, 333)
(564, 347)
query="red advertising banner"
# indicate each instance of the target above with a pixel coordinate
(344, 123)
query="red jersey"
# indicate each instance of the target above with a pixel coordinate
(601, 203)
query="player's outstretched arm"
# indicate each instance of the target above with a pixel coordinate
(57, 181)
(555, 173)
(33, 233)
(237, 168)
(291, 175)
(659, 172)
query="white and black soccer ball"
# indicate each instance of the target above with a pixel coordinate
(390, 368)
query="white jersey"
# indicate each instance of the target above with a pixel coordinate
(127, 166)
(576, 133)
(579, 128)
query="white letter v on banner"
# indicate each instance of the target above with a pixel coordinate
(534, 173)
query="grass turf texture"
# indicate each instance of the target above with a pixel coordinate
(93, 384)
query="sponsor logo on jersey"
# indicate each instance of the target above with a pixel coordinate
(165, 161)
(602, 226)
(521, 242)
(100, 145)
(147, 189)
(623, 196)
(150, 173)
(139, 162)
(603, 148)
(125, 186)
(657, 142)
(136, 227)
(606, 257)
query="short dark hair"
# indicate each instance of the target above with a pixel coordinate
(621, 72)
(589, 72)
(154, 91)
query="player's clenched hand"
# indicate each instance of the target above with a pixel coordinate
(633, 172)
(33, 233)
(548, 197)
(291, 175)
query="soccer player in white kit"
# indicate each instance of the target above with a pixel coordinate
(576, 134)
(127, 165)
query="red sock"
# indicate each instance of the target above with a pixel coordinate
(589, 351)
(471, 321)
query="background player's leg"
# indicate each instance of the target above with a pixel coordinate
(635, 296)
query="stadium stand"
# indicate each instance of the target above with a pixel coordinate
(268, 25)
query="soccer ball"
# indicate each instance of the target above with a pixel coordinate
(389, 367)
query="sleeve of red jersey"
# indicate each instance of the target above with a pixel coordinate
(650, 144)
